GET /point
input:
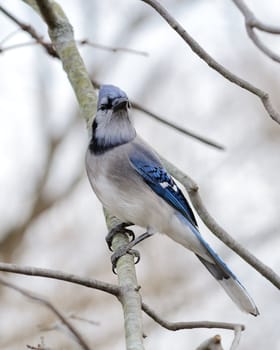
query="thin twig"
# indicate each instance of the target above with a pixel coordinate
(112, 49)
(62, 276)
(175, 326)
(48, 46)
(182, 130)
(264, 96)
(31, 31)
(9, 36)
(77, 336)
(17, 46)
(210, 222)
(82, 319)
(251, 23)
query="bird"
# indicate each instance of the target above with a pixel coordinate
(131, 182)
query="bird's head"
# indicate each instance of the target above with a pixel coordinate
(112, 100)
(112, 125)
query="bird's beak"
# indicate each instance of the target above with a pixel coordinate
(120, 103)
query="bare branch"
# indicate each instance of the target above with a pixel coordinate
(251, 19)
(17, 46)
(82, 319)
(264, 96)
(62, 276)
(184, 131)
(210, 222)
(251, 22)
(129, 289)
(10, 35)
(77, 336)
(176, 326)
(31, 31)
(111, 49)
(48, 46)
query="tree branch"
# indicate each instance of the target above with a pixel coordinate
(184, 131)
(210, 222)
(176, 326)
(251, 19)
(31, 31)
(77, 336)
(61, 34)
(251, 22)
(112, 49)
(61, 276)
(129, 290)
(196, 48)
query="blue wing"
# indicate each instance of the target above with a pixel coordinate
(153, 173)
(160, 181)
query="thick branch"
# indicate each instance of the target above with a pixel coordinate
(210, 222)
(129, 290)
(212, 62)
(77, 336)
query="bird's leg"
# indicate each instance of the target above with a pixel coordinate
(121, 228)
(128, 249)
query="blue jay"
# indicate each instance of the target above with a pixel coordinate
(129, 179)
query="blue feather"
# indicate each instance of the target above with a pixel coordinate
(162, 183)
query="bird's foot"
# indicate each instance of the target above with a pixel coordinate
(123, 251)
(121, 228)
(127, 249)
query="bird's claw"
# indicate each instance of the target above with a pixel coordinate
(121, 252)
(121, 228)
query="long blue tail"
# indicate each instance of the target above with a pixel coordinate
(226, 277)
(231, 285)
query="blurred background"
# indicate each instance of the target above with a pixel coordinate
(49, 214)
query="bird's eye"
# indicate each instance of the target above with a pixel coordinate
(105, 105)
